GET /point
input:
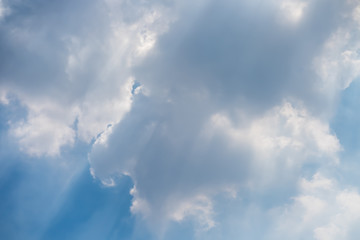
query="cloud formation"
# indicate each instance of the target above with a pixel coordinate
(193, 102)
(74, 66)
(224, 109)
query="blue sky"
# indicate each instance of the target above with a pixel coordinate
(169, 119)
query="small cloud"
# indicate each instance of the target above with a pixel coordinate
(42, 136)
(4, 10)
(293, 10)
(3, 97)
(200, 208)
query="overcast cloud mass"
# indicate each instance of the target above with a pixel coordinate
(169, 119)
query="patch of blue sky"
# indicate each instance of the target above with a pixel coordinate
(345, 124)
(57, 198)
(92, 211)
(346, 120)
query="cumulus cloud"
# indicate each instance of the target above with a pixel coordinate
(170, 174)
(283, 139)
(40, 135)
(322, 210)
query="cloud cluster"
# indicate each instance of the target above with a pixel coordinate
(71, 71)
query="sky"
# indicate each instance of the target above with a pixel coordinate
(172, 120)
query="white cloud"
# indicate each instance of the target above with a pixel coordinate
(200, 208)
(293, 10)
(322, 211)
(338, 64)
(356, 14)
(282, 127)
(285, 136)
(48, 127)
(98, 110)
